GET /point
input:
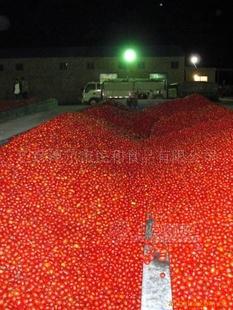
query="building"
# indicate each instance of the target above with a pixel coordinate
(62, 72)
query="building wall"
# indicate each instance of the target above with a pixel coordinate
(46, 79)
(191, 71)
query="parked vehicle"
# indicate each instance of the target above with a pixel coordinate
(123, 89)
(207, 89)
(92, 93)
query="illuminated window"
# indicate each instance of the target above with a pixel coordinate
(107, 76)
(157, 76)
(200, 78)
(204, 78)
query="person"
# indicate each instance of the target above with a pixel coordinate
(132, 100)
(24, 88)
(17, 89)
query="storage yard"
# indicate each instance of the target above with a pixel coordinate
(77, 192)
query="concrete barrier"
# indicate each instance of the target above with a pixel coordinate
(34, 107)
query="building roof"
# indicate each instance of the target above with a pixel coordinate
(44, 52)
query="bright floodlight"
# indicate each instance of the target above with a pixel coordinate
(130, 55)
(194, 60)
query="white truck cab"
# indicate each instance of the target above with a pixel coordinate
(91, 93)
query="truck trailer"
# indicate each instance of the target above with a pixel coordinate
(118, 89)
(206, 89)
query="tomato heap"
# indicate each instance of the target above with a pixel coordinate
(76, 192)
(134, 123)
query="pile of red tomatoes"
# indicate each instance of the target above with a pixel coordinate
(76, 192)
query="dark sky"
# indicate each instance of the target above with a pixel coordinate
(204, 27)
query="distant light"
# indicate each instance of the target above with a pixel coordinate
(200, 78)
(195, 59)
(161, 4)
(130, 55)
(196, 78)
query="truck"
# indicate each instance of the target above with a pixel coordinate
(206, 89)
(123, 89)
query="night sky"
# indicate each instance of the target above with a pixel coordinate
(204, 27)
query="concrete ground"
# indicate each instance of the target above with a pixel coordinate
(227, 102)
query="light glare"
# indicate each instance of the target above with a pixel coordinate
(194, 59)
(130, 55)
